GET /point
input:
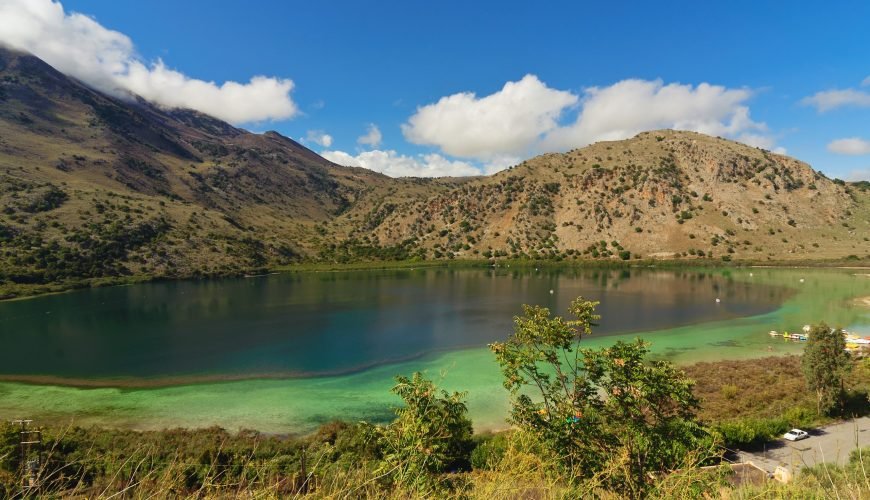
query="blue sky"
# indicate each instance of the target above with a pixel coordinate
(770, 74)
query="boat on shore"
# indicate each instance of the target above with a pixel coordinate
(852, 341)
(788, 336)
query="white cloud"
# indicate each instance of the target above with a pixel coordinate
(850, 146)
(631, 106)
(858, 175)
(372, 138)
(500, 163)
(522, 118)
(394, 164)
(506, 122)
(832, 99)
(319, 137)
(79, 46)
(866, 82)
(757, 141)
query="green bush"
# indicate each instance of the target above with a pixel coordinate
(611, 413)
(431, 435)
(748, 433)
(489, 450)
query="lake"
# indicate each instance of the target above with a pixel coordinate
(283, 353)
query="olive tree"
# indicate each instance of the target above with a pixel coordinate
(609, 414)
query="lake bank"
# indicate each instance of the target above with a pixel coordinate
(11, 291)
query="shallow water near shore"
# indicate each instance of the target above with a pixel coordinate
(331, 342)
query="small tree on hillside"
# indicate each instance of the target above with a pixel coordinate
(825, 363)
(606, 413)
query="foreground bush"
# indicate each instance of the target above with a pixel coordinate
(607, 413)
(431, 435)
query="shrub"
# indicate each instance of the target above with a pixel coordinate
(489, 450)
(749, 433)
(598, 410)
(431, 435)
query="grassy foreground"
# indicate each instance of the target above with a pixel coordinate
(345, 460)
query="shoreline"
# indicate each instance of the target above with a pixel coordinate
(481, 426)
(169, 382)
(86, 283)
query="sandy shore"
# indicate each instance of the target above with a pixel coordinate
(863, 301)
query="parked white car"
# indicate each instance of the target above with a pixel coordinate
(796, 435)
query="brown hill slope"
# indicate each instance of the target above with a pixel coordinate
(93, 187)
(660, 194)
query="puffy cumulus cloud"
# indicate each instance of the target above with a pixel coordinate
(372, 137)
(850, 146)
(319, 137)
(628, 107)
(827, 100)
(509, 121)
(523, 117)
(79, 46)
(262, 98)
(397, 165)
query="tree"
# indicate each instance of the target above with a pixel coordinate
(825, 363)
(606, 413)
(431, 434)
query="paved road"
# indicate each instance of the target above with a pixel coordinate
(831, 444)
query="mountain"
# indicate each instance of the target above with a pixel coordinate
(661, 194)
(93, 187)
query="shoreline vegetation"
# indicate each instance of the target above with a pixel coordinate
(760, 388)
(12, 292)
(745, 403)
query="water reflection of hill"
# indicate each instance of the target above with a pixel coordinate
(322, 323)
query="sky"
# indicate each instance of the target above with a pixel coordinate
(412, 88)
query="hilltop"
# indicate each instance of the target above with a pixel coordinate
(661, 194)
(96, 188)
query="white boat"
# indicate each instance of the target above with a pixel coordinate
(854, 339)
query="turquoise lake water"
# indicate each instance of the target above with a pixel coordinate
(283, 353)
